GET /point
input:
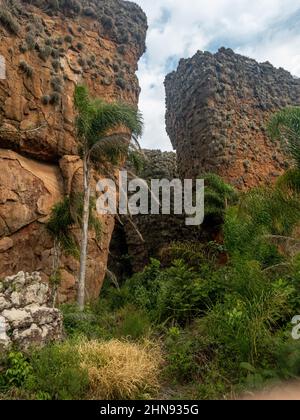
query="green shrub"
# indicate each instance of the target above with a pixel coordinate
(9, 21)
(16, 371)
(244, 325)
(56, 84)
(218, 196)
(121, 83)
(55, 98)
(55, 53)
(131, 323)
(26, 68)
(30, 41)
(143, 287)
(45, 52)
(69, 39)
(184, 294)
(88, 323)
(56, 65)
(57, 374)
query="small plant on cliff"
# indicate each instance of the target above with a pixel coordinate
(26, 68)
(98, 132)
(9, 21)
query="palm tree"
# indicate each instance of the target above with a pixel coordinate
(218, 196)
(102, 130)
(285, 126)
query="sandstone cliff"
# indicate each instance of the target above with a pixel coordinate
(48, 47)
(217, 109)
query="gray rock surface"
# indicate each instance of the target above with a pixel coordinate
(26, 319)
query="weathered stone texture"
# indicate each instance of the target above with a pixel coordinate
(217, 109)
(26, 318)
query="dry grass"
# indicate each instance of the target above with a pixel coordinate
(119, 369)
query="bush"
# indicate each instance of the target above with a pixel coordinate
(121, 83)
(55, 98)
(56, 65)
(180, 357)
(30, 41)
(69, 39)
(9, 21)
(57, 373)
(16, 371)
(26, 68)
(243, 326)
(93, 323)
(143, 287)
(120, 370)
(132, 323)
(45, 52)
(56, 84)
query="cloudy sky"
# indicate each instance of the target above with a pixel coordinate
(267, 30)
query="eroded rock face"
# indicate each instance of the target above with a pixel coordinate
(26, 319)
(48, 48)
(217, 109)
(54, 50)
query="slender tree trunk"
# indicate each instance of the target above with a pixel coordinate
(85, 229)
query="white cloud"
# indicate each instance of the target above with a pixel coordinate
(262, 29)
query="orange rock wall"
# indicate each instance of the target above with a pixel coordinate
(218, 107)
(49, 53)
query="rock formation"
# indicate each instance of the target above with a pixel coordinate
(158, 231)
(217, 109)
(48, 48)
(26, 319)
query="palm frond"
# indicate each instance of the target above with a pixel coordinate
(285, 126)
(97, 120)
(290, 180)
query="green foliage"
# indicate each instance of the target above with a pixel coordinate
(242, 326)
(182, 295)
(218, 195)
(98, 321)
(67, 214)
(45, 52)
(60, 224)
(16, 371)
(86, 323)
(9, 21)
(143, 288)
(285, 126)
(26, 68)
(57, 374)
(290, 181)
(176, 294)
(263, 214)
(96, 118)
(132, 323)
(181, 349)
(55, 98)
(200, 256)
